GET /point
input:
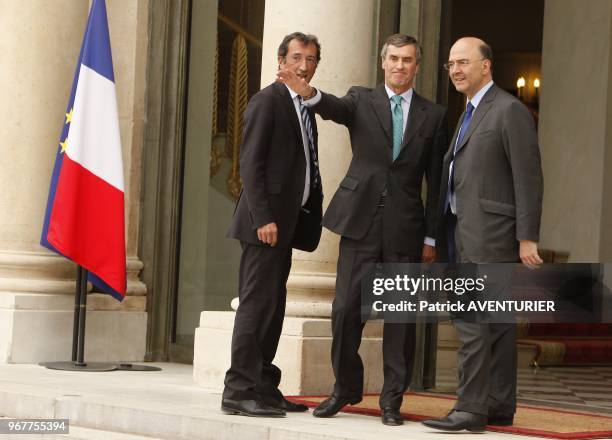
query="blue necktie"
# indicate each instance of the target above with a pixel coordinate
(398, 125)
(462, 131)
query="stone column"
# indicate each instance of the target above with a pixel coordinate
(349, 57)
(40, 45)
(574, 129)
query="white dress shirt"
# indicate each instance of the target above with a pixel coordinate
(406, 100)
(475, 101)
(405, 103)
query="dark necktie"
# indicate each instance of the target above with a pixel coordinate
(314, 162)
(465, 124)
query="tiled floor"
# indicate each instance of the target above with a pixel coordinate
(588, 388)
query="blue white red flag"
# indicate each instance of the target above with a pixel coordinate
(85, 218)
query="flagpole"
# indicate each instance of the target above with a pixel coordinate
(82, 294)
(77, 311)
(78, 338)
(78, 333)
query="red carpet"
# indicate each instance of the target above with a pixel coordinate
(529, 420)
(569, 344)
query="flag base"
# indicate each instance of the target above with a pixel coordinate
(78, 339)
(134, 367)
(80, 366)
(96, 366)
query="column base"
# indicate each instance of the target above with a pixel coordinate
(38, 328)
(303, 354)
(37, 312)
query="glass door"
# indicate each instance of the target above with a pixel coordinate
(224, 71)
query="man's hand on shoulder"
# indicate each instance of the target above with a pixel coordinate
(268, 234)
(528, 251)
(295, 83)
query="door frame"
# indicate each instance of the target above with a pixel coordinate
(162, 176)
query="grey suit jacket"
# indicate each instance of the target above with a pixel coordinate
(498, 180)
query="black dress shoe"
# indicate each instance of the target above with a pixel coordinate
(289, 406)
(391, 417)
(252, 408)
(458, 421)
(330, 407)
(501, 419)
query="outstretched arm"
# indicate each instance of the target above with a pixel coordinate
(329, 107)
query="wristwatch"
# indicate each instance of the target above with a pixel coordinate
(312, 94)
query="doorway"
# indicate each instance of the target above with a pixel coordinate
(514, 30)
(208, 262)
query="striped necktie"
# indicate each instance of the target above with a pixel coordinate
(314, 162)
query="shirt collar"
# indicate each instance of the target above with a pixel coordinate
(291, 92)
(407, 95)
(479, 95)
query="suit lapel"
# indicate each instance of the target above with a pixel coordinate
(382, 109)
(289, 108)
(449, 152)
(483, 107)
(416, 115)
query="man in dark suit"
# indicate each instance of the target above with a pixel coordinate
(397, 137)
(279, 208)
(492, 201)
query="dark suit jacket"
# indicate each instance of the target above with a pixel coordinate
(498, 180)
(272, 169)
(367, 114)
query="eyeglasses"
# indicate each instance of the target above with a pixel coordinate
(296, 59)
(459, 63)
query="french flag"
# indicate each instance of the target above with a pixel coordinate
(84, 220)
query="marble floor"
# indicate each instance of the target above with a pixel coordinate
(587, 388)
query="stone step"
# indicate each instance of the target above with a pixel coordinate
(448, 344)
(447, 355)
(80, 433)
(167, 405)
(101, 417)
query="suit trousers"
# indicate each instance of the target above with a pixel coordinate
(347, 325)
(487, 358)
(258, 323)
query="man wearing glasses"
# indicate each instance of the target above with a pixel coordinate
(279, 209)
(397, 138)
(491, 202)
